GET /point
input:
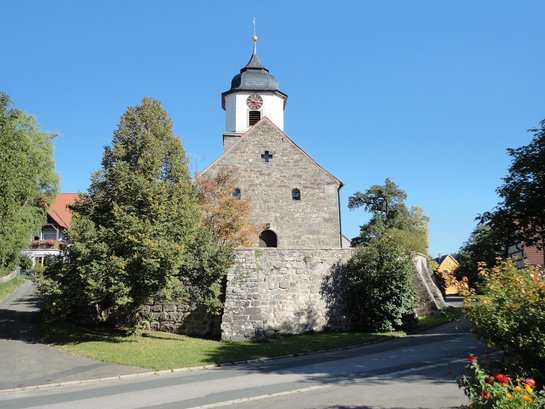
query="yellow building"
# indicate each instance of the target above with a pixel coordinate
(448, 265)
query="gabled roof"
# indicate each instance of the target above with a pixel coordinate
(440, 260)
(59, 211)
(261, 123)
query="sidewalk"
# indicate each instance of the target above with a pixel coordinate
(26, 362)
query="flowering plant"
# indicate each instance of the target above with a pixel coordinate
(44, 243)
(487, 389)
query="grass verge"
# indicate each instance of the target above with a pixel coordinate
(159, 350)
(9, 287)
(444, 316)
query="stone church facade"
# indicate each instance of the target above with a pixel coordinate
(295, 201)
(277, 285)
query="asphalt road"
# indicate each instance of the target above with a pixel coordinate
(24, 361)
(416, 371)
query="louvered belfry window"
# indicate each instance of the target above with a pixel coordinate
(255, 116)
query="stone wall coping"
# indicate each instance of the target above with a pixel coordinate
(8, 277)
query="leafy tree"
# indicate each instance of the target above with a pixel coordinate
(510, 313)
(484, 246)
(225, 213)
(203, 272)
(523, 191)
(381, 293)
(389, 213)
(28, 181)
(132, 230)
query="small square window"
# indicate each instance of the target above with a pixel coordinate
(296, 194)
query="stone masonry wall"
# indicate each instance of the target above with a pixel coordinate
(278, 290)
(180, 318)
(312, 222)
(296, 290)
(430, 298)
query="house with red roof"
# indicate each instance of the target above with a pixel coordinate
(59, 219)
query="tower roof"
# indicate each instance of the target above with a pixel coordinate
(253, 77)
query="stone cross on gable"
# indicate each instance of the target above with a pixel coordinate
(267, 156)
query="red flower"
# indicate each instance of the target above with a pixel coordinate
(472, 358)
(489, 380)
(502, 378)
(485, 394)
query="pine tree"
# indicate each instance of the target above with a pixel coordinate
(132, 229)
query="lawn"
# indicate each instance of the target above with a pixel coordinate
(7, 288)
(446, 315)
(159, 350)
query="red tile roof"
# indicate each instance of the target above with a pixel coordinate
(59, 210)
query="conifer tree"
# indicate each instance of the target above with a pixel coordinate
(132, 229)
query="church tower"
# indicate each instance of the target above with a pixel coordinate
(253, 95)
(294, 200)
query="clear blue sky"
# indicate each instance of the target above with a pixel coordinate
(429, 93)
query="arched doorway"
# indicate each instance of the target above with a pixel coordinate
(267, 238)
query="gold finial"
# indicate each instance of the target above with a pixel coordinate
(254, 37)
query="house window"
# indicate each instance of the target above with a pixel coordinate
(49, 233)
(236, 193)
(296, 194)
(254, 117)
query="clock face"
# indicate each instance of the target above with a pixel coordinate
(254, 101)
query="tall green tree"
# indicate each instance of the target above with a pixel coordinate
(28, 181)
(484, 246)
(523, 190)
(386, 203)
(132, 230)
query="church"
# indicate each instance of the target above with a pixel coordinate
(288, 280)
(295, 201)
(276, 285)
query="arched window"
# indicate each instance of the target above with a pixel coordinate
(296, 194)
(236, 193)
(267, 238)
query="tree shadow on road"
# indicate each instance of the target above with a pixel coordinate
(434, 356)
(19, 320)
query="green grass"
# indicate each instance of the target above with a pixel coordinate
(4, 272)
(444, 316)
(9, 287)
(160, 350)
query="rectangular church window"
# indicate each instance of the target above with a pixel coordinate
(255, 116)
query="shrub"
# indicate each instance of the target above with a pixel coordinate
(510, 313)
(381, 293)
(25, 263)
(493, 389)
